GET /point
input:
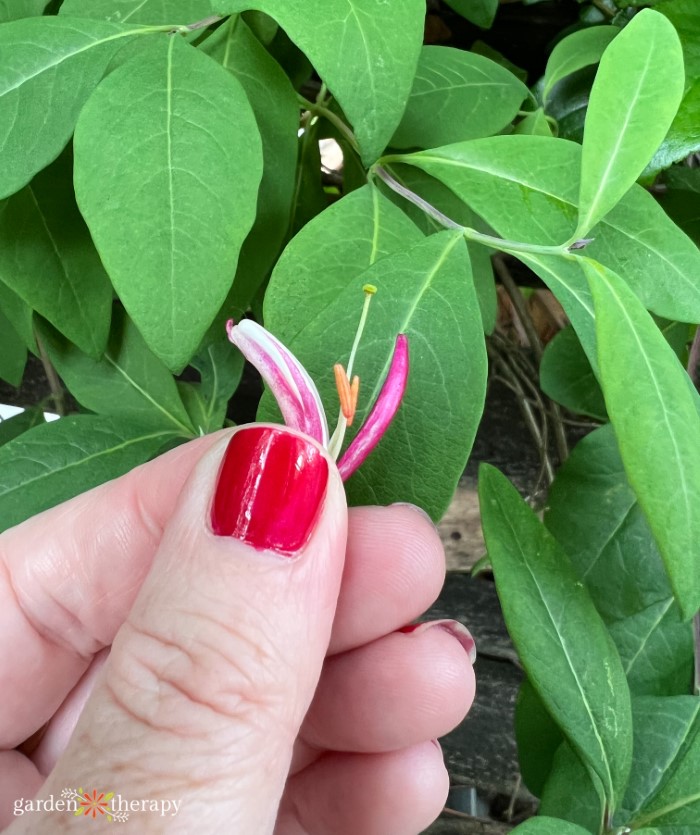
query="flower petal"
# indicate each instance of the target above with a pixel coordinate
(382, 413)
(287, 379)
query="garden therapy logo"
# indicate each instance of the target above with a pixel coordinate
(95, 804)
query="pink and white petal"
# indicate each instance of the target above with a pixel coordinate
(287, 379)
(382, 413)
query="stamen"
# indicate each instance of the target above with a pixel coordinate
(349, 393)
(344, 392)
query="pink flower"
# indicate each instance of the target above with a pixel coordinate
(299, 400)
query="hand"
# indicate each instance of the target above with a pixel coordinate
(265, 690)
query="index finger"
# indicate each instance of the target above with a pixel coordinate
(68, 577)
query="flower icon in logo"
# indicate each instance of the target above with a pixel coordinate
(92, 805)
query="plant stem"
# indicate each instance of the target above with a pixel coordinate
(321, 110)
(57, 393)
(470, 234)
(202, 24)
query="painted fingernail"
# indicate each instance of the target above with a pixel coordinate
(269, 490)
(455, 628)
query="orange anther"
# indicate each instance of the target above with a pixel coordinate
(354, 394)
(344, 392)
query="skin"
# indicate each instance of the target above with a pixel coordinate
(270, 695)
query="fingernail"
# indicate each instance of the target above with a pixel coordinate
(269, 490)
(455, 628)
(416, 509)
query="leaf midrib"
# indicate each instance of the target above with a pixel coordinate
(125, 443)
(506, 518)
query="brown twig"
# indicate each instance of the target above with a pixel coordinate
(57, 393)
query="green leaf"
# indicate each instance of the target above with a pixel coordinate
(548, 826)
(538, 738)
(594, 515)
(685, 17)
(276, 110)
(683, 137)
(664, 790)
(566, 376)
(56, 63)
(525, 188)
(423, 454)
(457, 95)
(572, 792)
(681, 202)
(20, 315)
(11, 428)
(558, 633)
(172, 229)
(534, 124)
(576, 51)
(42, 235)
(129, 381)
(439, 196)
(481, 12)
(56, 461)
(17, 9)
(330, 252)
(220, 366)
(366, 52)
(13, 353)
(665, 475)
(565, 278)
(139, 11)
(635, 96)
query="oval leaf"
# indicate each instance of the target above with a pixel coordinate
(664, 790)
(13, 353)
(17, 9)
(635, 95)
(658, 432)
(525, 188)
(548, 826)
(423, 454)
(594, 514)
(56, 461)
(43, 234)
(457, 95)
(566, 376)
(329, 252)
(366, 52)
(562, 641)
(139, 11)
(481, 12)
(576, 51)
(171, 231)
(128, 381)
(276, 109)
(48, 68)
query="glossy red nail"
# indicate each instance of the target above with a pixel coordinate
(270, 489)
(454, 627)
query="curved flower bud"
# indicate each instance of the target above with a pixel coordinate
(382, 413)
(293, 389)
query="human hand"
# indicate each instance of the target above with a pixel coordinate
(266, 693)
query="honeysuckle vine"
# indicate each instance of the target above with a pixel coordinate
(298, 398)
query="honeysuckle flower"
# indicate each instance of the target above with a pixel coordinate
(298, 397)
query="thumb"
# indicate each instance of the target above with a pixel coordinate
(211, 675)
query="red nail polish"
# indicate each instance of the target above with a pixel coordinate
(269, 490)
